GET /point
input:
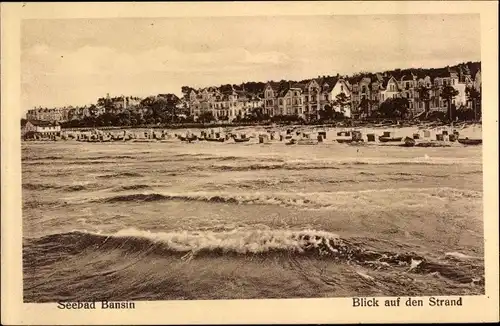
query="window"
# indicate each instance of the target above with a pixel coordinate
(341, 88)
(288, 102)
(281, 101)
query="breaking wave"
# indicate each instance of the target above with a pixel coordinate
(298, 199)
(191, 244)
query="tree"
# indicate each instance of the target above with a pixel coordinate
(206, 117)
(449, 93)
(394, 108)
(364, 105)
(474, 96)
(186, 90)
(342, 101)
(464, 113)
(327, 113)
(424, 95)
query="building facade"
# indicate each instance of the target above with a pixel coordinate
(359, 96)
(37, 129)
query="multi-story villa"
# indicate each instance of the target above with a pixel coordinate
(290, 100)
(46, 114)
(271, 92)
(358, 96)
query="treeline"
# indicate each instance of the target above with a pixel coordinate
(126, 118)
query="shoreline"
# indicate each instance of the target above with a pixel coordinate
(336, 124)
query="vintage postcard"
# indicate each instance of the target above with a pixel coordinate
(276, 162)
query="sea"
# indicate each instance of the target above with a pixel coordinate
(206, 220)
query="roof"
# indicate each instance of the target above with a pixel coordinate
(283, 90)
(285, 87)
(274, 85)
(328, 83)
(386, 81)
(355, 79)
(344, 81)
(41, 123)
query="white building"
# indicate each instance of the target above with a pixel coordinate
(41, 129)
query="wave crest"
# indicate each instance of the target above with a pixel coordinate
(313, 200)
(190, 244)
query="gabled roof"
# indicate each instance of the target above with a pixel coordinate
(344, 81)
(328, 83)
(387, 79)
(285, 87)
(317, 81)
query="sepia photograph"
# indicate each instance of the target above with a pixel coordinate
(259, 156)
(264, 157)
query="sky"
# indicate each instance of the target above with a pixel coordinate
(76, 61)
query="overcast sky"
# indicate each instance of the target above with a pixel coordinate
(75, 61)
